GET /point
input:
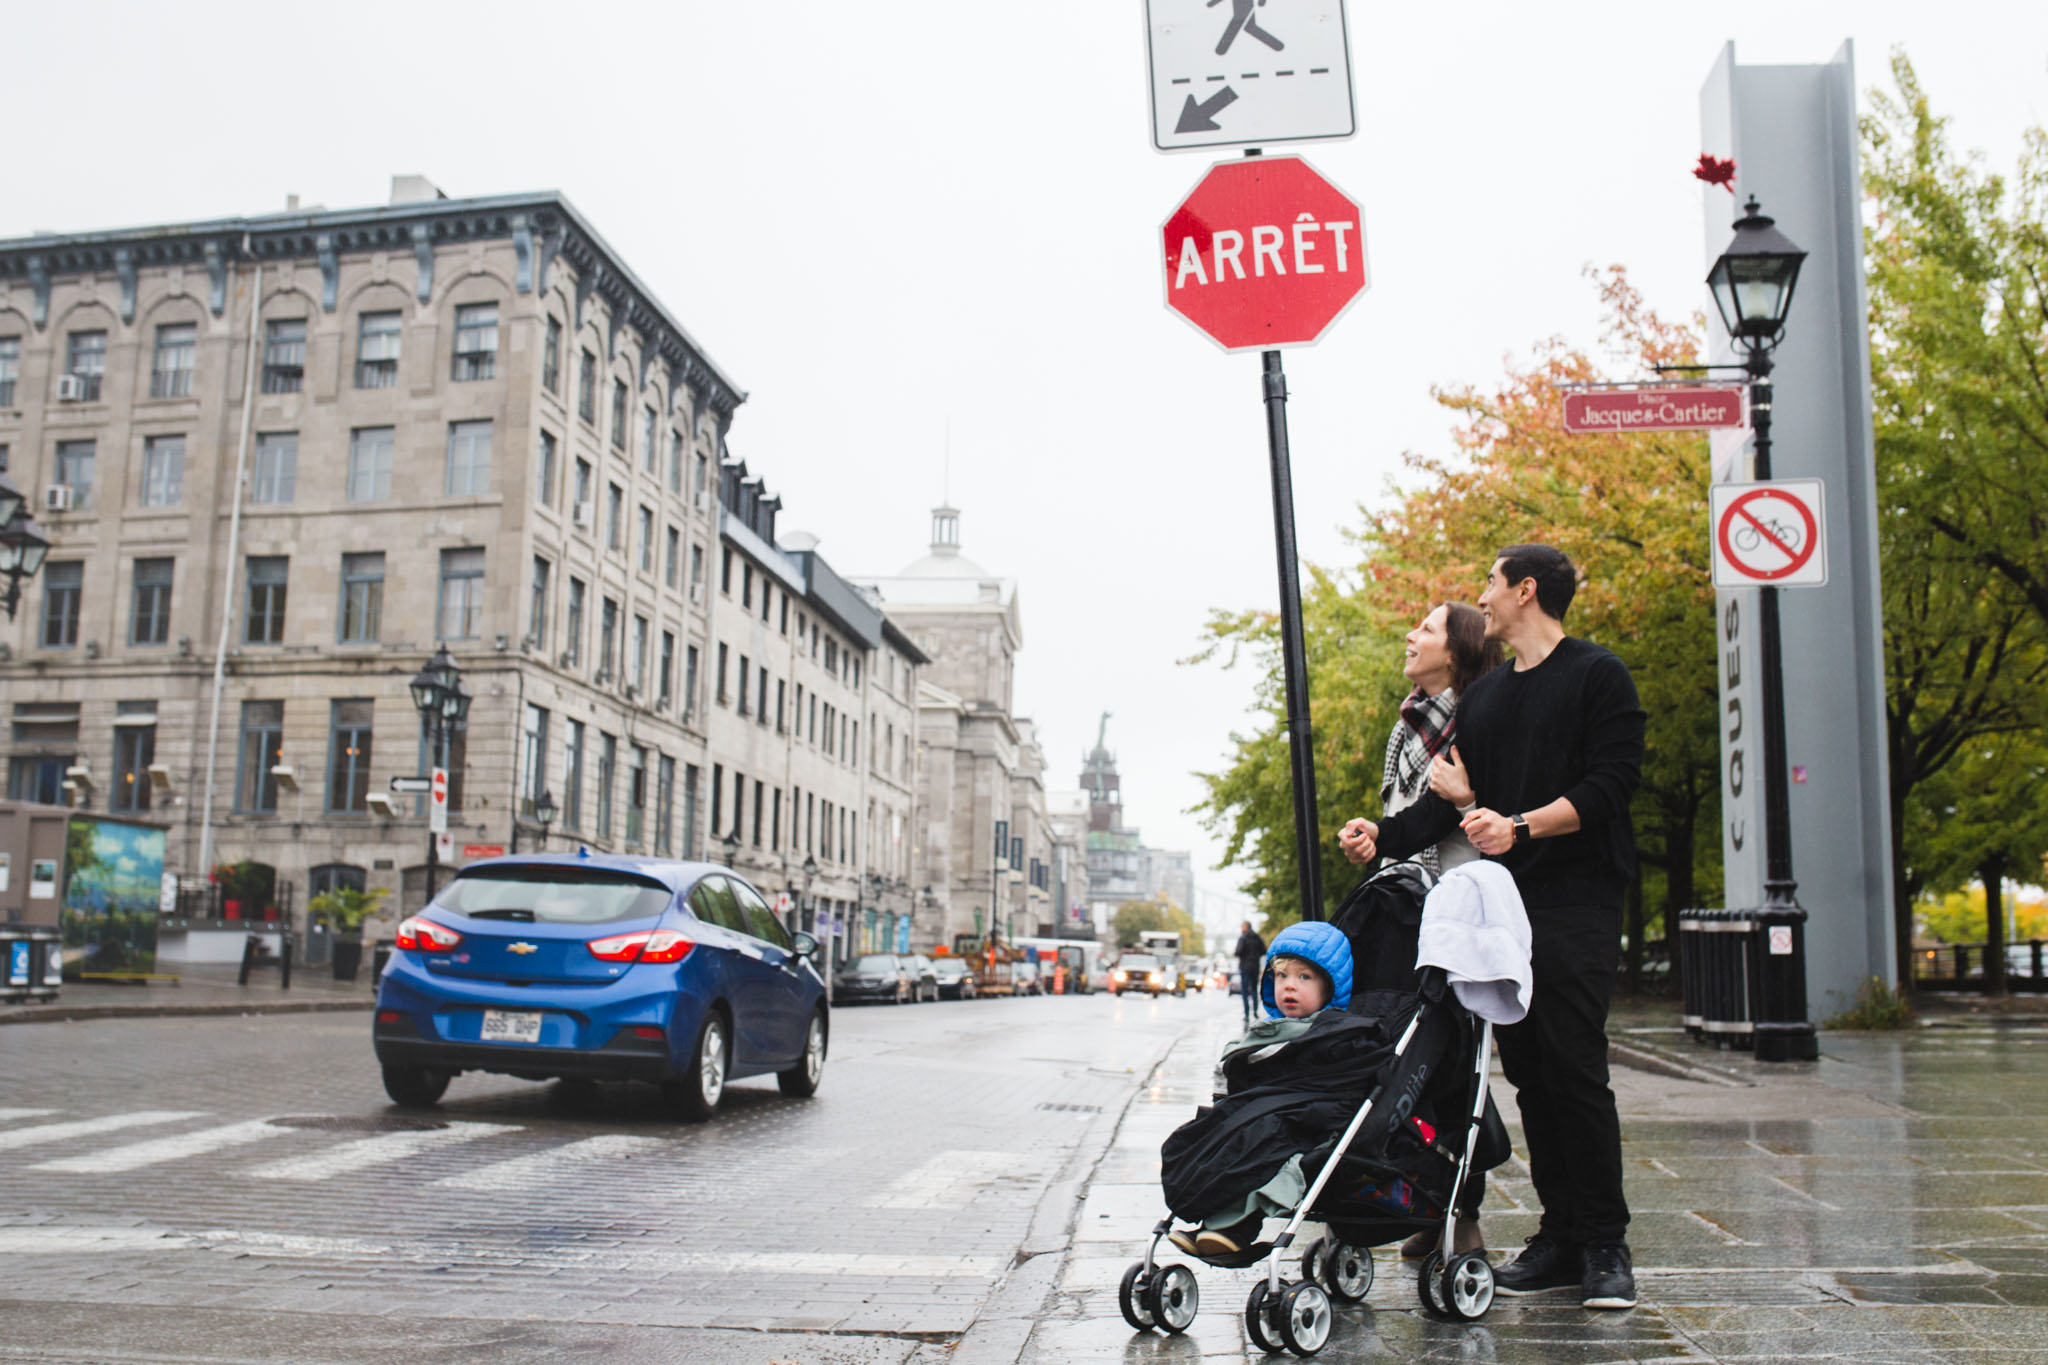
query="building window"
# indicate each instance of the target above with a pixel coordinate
(650, 441)
(377, 343)
(689, 681)
(672, 554)
(469, 459)
(362, 598)
(703, 474)
(284, 355)
(262, 750)
(277, 467)
(545, 487)
(149, 615)
(717, 796)
(693, 779)
(665, 807)
(723, 698)
(533, 761)
(75, 462)
(551, 357)
(476, 341)
(636, 794)
(781, 700)
(370, 453)
(619, 413)
(646, 540)
(607, 764)
(607, 638)
(163, 471)
(348, 757)
(665, 675)
(10, 369)
(675, 462)
(615, 517)
(743, 684)
(760, 804)
(537, 608)
(573, 647)
(263, 622)
(572, 778)
(62, 586)
(725, 571)
(86, 359)
(134, 751)
(462, 594)
(639, 675)
(747, 586)
(586, 388)
(177, 349)
(696, 573)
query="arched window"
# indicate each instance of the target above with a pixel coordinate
(335, 877)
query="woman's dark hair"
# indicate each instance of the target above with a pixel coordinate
(1472, 654)
(1556, 579)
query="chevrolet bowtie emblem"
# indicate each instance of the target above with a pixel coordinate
(522, 949)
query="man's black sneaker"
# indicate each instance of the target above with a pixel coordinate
(1610, 1278)
(1545, 1263)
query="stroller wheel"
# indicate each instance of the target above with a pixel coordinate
(1427, 1278)
(1467, 1286)
(1172, 1297)
(1132, 1296)
(1304, 1318)
(1346, 1271)
(1259, 1320)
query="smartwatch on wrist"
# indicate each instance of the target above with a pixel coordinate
(1521, 823)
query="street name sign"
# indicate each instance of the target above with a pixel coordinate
(1768, 534)
(1703, 408)
(1264, 253)
(412, 786)
(1243, 73)
(437, 802)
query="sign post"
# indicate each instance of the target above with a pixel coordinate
(1266, 253)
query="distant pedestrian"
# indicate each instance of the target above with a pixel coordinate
(1553, 748)
(1251, 960)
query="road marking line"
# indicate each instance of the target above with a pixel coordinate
(375, 1151)
(139, 1154)
(10, 1115)
(522, 1172)
(60, 1132)
(952, 1178)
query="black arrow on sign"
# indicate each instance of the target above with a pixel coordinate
(1201, 118)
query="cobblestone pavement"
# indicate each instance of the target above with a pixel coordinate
(1888, 1203)
(239, 1189)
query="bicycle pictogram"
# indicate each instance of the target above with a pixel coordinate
(1753, 534)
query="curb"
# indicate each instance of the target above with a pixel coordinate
(58, 1014)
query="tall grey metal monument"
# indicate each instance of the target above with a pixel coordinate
(1792, 133)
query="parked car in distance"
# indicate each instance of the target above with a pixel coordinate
(955, 976)
(1138, 972)
(924, 978)
(1029, 976)
(592, 967)
(875, 976)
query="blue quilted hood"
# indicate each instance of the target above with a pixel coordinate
(1317, 942)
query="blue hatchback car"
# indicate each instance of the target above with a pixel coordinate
(593, 967)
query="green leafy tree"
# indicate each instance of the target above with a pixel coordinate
(1137, 917)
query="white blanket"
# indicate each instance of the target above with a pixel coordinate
(1474, 927)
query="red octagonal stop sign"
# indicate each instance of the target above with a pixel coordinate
(1264, 253)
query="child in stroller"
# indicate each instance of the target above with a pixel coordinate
(1405, 1063)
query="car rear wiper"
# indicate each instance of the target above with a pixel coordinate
(525, 916)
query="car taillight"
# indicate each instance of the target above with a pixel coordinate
(647, 945)
(421, 935)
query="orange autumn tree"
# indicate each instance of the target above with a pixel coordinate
(1631, 512)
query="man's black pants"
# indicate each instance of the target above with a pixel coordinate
(1557, 1061)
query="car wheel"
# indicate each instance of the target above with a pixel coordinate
(695, 1095)
(802, 1079)
(416, 1087)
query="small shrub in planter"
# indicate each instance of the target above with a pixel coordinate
(343, 910)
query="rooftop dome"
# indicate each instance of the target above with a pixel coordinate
(945, 559)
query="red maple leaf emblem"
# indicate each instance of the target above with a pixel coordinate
(1715, 171)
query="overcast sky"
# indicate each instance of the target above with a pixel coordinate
(892, 221)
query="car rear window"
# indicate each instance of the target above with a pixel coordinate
(875, 962)
(553, 895)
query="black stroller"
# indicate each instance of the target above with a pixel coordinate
(1427, 1130)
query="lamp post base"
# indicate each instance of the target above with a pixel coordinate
(1795, 1042)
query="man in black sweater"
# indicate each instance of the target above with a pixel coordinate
(1552, 748)
(1251, 961)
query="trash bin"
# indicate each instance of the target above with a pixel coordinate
(46, 961)
(15, 965)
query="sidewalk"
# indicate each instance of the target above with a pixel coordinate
(206, 989)
(1886, 1203)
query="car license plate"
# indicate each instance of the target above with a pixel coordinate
(510, 1026)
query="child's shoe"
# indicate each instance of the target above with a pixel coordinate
(1231, 1240)
(1184, 1238)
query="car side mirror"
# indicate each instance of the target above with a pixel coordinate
(803, 945)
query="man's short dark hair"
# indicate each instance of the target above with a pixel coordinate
(1556, 579)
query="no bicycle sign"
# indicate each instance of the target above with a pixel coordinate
(1768, 534)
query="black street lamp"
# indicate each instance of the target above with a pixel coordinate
(544, 812)
(1752, 284)
(442, 700)
(23, 546)
(732, 848)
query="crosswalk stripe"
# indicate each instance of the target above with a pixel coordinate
(375, 1151)
(952, 1178)
(138, 1154)
(522, 1172)
(60, 1132)
(10, 1115)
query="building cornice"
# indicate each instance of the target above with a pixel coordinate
(542, 227)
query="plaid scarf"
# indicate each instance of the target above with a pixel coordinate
(1427, 724)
